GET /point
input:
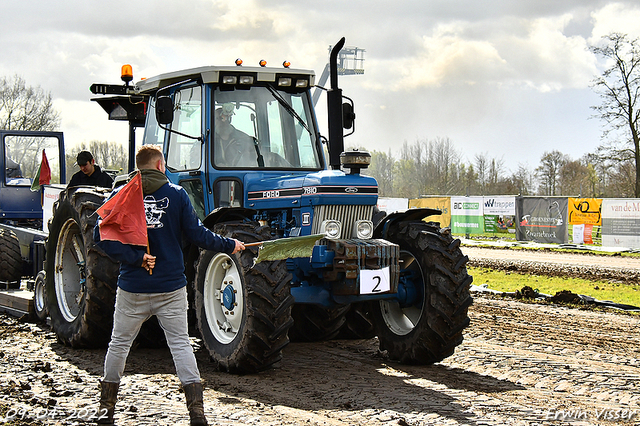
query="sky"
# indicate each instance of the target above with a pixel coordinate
(507, 79)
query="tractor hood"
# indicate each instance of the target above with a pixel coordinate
(324, 187)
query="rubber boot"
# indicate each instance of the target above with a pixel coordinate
(108, 397)
(193, 395)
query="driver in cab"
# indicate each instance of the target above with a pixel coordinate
(233, 147)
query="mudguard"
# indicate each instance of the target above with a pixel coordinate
(410, 215)
(227, 214)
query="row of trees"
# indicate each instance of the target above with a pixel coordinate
(435, 167)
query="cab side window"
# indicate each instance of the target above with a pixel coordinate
(23, 156)
(185, 151)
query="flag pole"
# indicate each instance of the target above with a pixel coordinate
(149, 253)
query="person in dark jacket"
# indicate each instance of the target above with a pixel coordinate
(90, 173)
(163, 293)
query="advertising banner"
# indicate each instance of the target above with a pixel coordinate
(585, 220)
(587, 211)
(542, 219)
(499, 214)
(621, 223)
(392, 205)
(439, 203)
(466, 215)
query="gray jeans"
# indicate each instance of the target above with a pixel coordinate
(132, 309)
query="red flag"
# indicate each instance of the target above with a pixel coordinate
(123, 215)
(45, 171)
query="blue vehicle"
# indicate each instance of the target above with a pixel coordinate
(245, 145)
(22, 233)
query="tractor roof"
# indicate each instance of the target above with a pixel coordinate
(212, 74)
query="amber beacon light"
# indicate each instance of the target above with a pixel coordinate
(126, 74)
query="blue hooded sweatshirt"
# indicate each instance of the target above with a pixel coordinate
(170, 215)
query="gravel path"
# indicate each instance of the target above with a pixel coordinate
(545, 262)
(520, 364)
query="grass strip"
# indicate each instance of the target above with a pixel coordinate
(601, 290)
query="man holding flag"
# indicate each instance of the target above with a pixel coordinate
(152, 280)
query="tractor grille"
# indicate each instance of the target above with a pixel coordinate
(347, 215)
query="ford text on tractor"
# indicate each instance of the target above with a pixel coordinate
(245, 145)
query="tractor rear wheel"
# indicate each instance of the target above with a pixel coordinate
(243, 310)
(427, 326)
(80, 278)
(10, 258)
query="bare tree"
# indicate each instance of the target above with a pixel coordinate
(548, 172)
(481, 162)
(522, 180)
(443, 162)
(382, 170)
(619, 88)
(24, 107)
(574, 178)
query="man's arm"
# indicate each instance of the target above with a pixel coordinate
(198, 234)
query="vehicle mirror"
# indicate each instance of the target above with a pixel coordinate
(348, 116)
(164, 110)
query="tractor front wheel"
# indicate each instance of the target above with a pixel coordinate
(243, 310)
(426, 325)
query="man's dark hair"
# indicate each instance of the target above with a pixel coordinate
(83, 158)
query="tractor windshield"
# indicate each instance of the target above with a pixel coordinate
(264, 128)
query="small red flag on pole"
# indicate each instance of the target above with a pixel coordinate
(123, 215)
(43, 175)
(45, 170)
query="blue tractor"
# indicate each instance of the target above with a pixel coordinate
(245, 145)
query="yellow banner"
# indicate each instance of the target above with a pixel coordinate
(440, 203)
(586, 211)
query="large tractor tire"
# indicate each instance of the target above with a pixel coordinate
(10, 259)
(428, 326)
(313, 323)
(80, 278)
(243, 310)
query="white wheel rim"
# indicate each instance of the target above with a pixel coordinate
(402, 321)
(69, 270)
(221, 279)
(38, 295)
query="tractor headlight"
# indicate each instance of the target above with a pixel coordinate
(331, 228)
(363, 229)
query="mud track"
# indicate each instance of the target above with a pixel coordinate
(520, 364)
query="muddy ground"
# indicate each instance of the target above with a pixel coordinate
(520, 364)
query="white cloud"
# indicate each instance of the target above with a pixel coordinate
(616, 17)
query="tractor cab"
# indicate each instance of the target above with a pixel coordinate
(224, 128)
